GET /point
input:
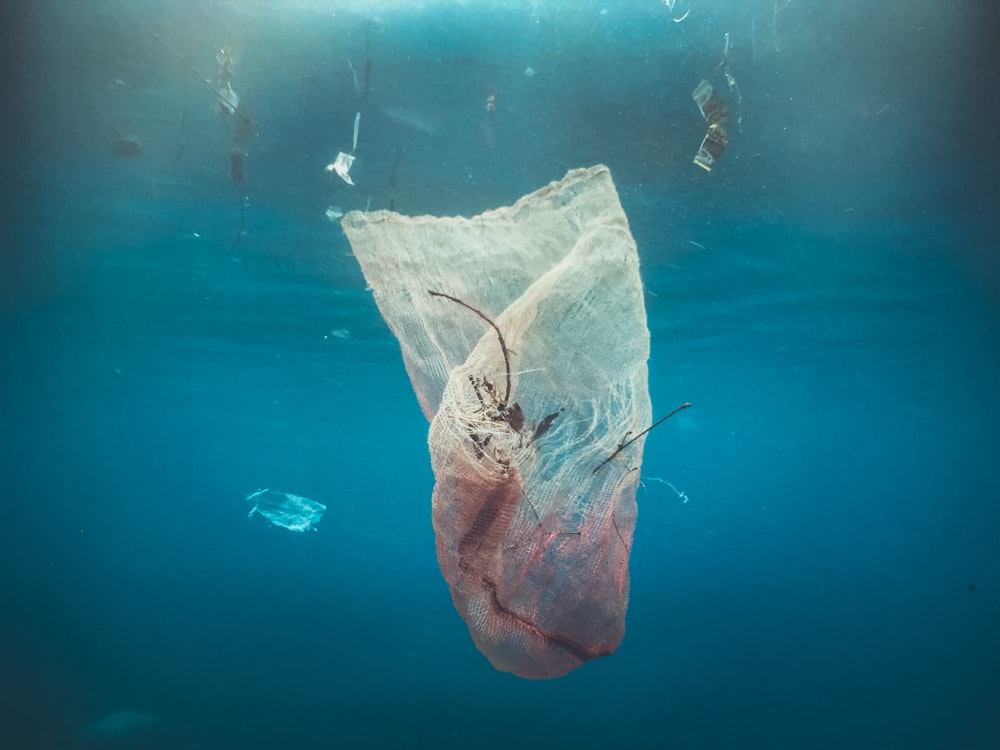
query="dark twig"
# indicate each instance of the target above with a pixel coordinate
(622, 446)
(503, 344)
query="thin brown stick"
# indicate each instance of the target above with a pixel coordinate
(503, 344)
(627, 443)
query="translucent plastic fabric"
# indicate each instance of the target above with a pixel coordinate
(292, 512)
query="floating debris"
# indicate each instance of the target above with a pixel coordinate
(343, 163)
(354, 75)
(292, 512)
(671, 6)
(228, 100)
(713, 109)
(342, 166)
(734, 87)
(126, 146)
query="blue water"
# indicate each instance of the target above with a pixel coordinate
(826, 297)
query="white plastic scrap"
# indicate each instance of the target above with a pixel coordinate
(292, 512)
(342, 166)
(343, 163)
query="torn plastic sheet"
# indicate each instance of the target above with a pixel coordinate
(292, 512)
(342, 166)
(343, 163)
(712, 146)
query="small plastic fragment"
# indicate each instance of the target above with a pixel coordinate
(292, 512)
(342, 166)
(713, 109)
(343, 163)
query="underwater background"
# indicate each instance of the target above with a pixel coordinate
(816, 560)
